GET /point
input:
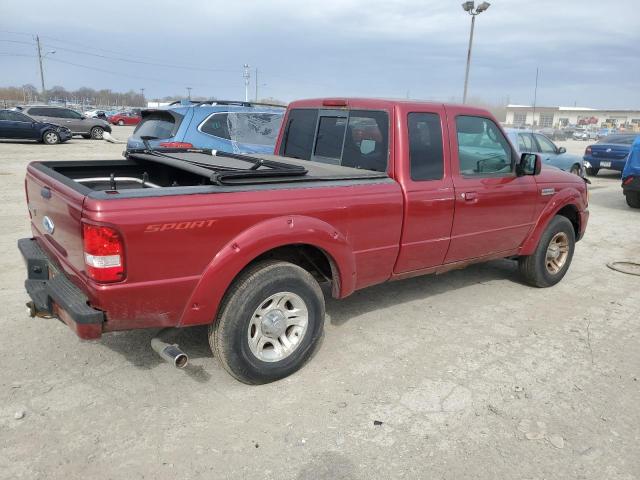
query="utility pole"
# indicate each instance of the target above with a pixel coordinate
(246, 75)
(142, 94)
(40, 62)
(256, 84)
(535, 99)
(189, 93)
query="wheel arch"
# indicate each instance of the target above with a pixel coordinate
(307, 242)
(566, 203)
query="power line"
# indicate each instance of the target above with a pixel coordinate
(121, 59)
(112, 72)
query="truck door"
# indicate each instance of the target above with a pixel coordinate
(423, 169)
(494, 208)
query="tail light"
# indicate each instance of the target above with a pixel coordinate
(587, 151)
(627, 181)
(103, 253)
(176, 145)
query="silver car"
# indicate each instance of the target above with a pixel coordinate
(65, 117)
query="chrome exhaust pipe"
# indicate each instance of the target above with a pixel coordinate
(169, 352)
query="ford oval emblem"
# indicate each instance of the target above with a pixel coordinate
(608, 150)
(48, 225)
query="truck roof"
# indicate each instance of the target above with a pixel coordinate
(375, 103)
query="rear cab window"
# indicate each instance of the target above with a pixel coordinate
(426, 157)
(351, 138)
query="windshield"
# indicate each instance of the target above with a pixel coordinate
(244, 127)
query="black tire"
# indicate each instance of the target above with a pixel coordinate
(121, 123)
(97, 133)
(229, 334)
(575, 169)
(533, 268)
(50, 138)
(633, 199)
(592, 172)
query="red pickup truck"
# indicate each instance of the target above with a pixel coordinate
(361, 191)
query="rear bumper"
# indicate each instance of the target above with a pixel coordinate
(593, 162)
(631, 186)
(53, 294)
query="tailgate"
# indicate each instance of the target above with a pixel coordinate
(56, 212)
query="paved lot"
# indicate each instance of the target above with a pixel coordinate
(472, 374)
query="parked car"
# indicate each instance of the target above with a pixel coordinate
(362, 191)
(605, 132)
(125, 118)
(65, 117)
(101, 114)
(611, 152)
(553, 133)
(551, 154)
(220, 125)
(19, 126)
(584, 135)
(631, 175)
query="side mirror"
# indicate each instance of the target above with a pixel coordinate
(529, 164)
(562, 150)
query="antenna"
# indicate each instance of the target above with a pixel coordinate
(535, 98)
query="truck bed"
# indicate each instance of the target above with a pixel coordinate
(146, 175)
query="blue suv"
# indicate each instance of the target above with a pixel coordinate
(239, 127)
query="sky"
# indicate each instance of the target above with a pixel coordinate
(587, 52)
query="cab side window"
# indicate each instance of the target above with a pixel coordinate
(482, 148)
(425, 146)
(546, 145)
(526, 143)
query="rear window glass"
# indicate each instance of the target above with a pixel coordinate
(619, 139)
(356, 138)
(244, 127)
(156, 124)
(301, 130)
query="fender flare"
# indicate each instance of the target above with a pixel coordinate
(569, 196)
(202, 306)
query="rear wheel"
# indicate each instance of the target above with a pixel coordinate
(269, 322)
(97, 133)
(51, 138)
(553, 255)
(592, 172)
(633, 199)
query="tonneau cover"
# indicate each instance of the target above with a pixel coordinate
(315, 170)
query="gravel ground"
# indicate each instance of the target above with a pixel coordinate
(465, 375)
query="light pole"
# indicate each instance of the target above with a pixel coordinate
(40, 57)
(246, 75)
(472, 10)
(189, 93)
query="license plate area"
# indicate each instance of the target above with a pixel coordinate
(605, 164)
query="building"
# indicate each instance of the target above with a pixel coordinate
(518, 115)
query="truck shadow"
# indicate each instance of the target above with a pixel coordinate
(423, 287)
(135, 345)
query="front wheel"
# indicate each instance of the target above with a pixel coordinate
(633, 199)
(575, 169)
(51, 138)
(269, 322)
(121, 123)
(553, 255)
(97, 133)
(592, 172)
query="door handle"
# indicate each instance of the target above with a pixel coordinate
(470, 196)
